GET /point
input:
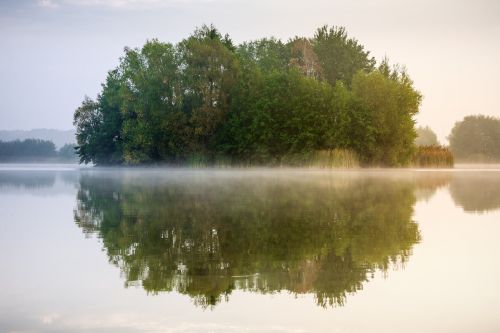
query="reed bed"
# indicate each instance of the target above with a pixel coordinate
(325, 159)
(433, 157)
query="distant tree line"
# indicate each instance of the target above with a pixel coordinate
(426, 137)
(67, 152)
(476, 139)
(35, 149)
(206, 99)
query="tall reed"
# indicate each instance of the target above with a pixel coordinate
(433, 156)
(328, 159)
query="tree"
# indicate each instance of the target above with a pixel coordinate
(282, 114)
(99, 125)
(67, 152)
(476, 138)
(392, 102)
(267, 54)
(209, 69)
(304, 58)
(426, 137)
(151, 102)
(340, 57)
(263, 102)
(88, 121)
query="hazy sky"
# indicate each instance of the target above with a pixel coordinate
(53, 52)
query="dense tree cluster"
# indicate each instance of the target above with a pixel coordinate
(35, 150)
(27, 149)
(205, 100)
(476, 138)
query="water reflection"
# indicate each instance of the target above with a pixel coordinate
(476, 192)
(207, 236)
(426, 183)
(27, 180)
(38, 182)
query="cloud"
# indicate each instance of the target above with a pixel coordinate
(49, 319)
(125, 4)
(47, 4)
(120, 4)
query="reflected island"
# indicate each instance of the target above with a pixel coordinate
(207, 235)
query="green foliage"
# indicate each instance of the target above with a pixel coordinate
(476, 139)
(209, 71)
(99, 124)
(284, 114)
(205, 100)
(389, 97)
(151, 102)
(267, 54)
(341, 57)
(433, 156)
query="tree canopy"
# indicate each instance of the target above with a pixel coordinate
(426, 137)
(476, 138)
(206, 99)
(67, 152)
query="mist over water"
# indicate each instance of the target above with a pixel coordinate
(155, 250)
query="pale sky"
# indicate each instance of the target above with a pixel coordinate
(54, 52)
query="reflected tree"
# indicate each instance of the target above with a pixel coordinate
(207, 236)
(476, 193)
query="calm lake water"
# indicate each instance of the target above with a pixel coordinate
(169, 250)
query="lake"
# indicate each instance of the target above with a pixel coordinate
(258, 250)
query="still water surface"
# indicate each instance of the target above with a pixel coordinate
(161, 250)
